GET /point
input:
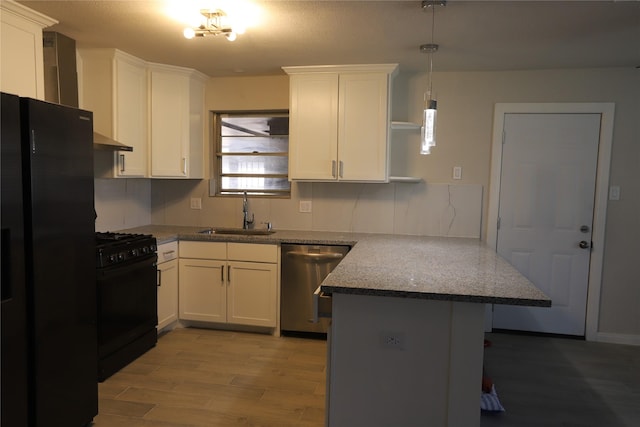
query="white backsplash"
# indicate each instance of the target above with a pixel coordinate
(453, 210)
(419, 209)
(122, 203)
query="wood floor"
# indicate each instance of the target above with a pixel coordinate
(198, 377)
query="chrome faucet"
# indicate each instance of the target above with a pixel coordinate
(246, 222)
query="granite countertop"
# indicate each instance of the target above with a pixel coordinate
(442, 268)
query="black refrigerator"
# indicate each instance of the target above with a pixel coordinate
(49, 345)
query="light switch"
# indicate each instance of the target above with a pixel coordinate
(196, 203)
(457, 172)
(614, 192)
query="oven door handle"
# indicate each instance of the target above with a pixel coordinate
(116, 270)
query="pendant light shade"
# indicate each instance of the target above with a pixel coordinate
(428, 129)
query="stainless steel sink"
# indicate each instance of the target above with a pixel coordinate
(240, 231)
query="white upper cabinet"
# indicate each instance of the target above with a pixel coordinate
(21, 58)
(339, 122)
(313, 126)
(113, 85)
(177, 122)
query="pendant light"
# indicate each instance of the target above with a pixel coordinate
(429, 115)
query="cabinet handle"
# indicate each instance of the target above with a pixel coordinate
(333, 168)
(159, 278)
(166, 253)
(229, 274)
(121, 162)
(341, 169)
(222, 274)
(184, 166)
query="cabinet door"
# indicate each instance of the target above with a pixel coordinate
(21, 53)
(167, 293)
(203, 290)
(363, 127)
(169, 123)
(130, 118)
(252, 294)
(313, 126)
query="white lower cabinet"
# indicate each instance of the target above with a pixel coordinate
(167, 284)
(203, 290)
(234, 283)
(251, 298)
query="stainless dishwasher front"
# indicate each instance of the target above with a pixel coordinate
(304, 267)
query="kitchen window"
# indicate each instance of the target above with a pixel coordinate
(252, 153)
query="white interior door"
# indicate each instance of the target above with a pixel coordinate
(546, 208)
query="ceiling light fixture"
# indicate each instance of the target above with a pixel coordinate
(214, 22)
(428, 129)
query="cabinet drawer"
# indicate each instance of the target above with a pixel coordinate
(203, 250)
(167, 252)
(252, 252)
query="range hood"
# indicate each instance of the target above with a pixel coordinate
(101, 142)
(61, 81)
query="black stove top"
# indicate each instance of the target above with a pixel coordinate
(123, 248)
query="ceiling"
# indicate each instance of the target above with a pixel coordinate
(473, 35)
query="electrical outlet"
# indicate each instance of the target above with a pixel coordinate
(196, 203)
(305, 206)
(392, 340)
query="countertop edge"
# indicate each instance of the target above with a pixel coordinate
(330, 290)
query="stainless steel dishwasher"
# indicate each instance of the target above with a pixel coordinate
(304, 267)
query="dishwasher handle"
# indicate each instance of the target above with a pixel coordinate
(315, 256)
(321, 305)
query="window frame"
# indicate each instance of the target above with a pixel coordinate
(217, 157)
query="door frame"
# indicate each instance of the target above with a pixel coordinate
(606, 110)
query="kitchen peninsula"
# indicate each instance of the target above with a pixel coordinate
(406, 340)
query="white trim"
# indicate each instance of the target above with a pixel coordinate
(33, 16)
(606, 110)
(391, 69)
(612, 338)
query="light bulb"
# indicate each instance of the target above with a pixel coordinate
(189, 33)
(231, 36)
(239, 28)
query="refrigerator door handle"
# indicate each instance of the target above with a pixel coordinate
(7, 289)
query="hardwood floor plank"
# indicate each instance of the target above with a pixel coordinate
(272, 396)
(124, 408)
(106, 420)
(164, 397)
(276, 381)
(194, 417)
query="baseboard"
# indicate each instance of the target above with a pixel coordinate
(614, 338)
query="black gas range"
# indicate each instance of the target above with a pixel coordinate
(127, 299)
(122, 248)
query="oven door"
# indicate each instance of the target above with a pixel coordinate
(127, 304)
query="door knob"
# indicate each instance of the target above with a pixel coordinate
(584, 244)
